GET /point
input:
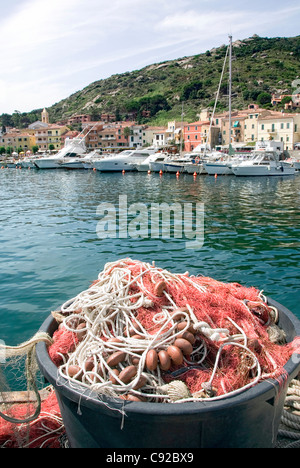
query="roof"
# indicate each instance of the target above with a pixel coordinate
(279, 115)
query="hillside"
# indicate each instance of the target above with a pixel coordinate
(260, 65)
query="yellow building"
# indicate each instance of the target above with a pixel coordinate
(50, 135)
(282, 127)
(16, 140)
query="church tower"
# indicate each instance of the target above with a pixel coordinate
(45, 116)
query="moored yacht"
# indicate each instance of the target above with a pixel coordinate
(149, 163)
(73, 149)
(263, 163)
(124, 161)
(90, 158)
(28, 162)
(218, 163)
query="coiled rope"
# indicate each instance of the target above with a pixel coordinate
(290, 421)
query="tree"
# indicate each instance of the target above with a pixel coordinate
(35, 149)
(127, 132)
(264, 98)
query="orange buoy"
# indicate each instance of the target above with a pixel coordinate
(123, 172)
(161, 172)
(216, 176)
(94, 169)
(195, 174)
(177, 174)
(149, 172)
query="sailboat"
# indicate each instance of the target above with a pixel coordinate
(220, 163)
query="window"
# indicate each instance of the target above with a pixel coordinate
(281, 126)
(287, 125)
(273, 127)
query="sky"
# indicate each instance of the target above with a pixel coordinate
(51, 49)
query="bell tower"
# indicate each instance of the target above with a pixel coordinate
(45, 116)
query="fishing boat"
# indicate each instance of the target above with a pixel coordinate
(264, 162)
(124, 161)
(73, 149)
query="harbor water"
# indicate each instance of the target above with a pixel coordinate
(50, 249)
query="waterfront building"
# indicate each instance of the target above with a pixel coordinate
(283, 127)
(149, 134)
(136, 136)
(16, 140)
(200, 133)
(107, 136)
(50, 135)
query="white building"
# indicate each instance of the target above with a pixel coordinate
(136, 136)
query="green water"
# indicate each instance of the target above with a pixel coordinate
(50, 251)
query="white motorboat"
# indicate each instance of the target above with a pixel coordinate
(296, 165)
(73, 148)
(28, 162)
(222, 164)
(11, 163)
(192, 168)
(218, 163)
(178, 163)
(158, 164)
(72, 163)
(150, 163)
(90, 158)
(124, 161)
(263, 163)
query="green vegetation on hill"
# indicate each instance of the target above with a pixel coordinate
(155, 94)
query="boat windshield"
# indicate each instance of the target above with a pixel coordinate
(141, 155)
(263, 157)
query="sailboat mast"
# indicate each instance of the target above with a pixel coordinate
(230, 92)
